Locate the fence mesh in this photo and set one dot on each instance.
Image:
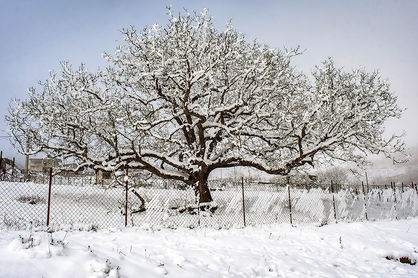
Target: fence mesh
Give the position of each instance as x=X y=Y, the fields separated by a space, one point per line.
x=80 y=202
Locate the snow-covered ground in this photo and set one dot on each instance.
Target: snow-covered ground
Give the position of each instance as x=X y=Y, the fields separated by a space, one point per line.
x=280 y=250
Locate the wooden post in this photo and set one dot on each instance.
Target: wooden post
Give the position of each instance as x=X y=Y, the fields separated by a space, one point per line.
x=49 y=197
x=365 y=201
x=290 y=204
x=126 y=199
x=243 y=201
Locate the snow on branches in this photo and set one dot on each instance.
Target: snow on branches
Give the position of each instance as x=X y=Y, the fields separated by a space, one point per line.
x=184 y=99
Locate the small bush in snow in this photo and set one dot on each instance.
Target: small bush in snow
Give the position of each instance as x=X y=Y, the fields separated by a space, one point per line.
x=32 y=199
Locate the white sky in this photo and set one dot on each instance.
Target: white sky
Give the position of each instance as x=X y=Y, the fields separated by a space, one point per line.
x=36 y=35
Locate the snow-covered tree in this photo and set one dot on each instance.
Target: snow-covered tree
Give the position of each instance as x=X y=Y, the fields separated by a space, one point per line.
x=182 y=100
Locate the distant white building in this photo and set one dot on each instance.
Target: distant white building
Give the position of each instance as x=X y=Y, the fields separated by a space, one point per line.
x=43 y=164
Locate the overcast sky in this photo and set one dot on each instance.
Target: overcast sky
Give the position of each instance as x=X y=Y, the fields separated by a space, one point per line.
x=36 y=35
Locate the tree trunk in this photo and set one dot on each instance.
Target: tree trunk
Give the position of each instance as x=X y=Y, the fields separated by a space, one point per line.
x=142 y=206
x=204 y=192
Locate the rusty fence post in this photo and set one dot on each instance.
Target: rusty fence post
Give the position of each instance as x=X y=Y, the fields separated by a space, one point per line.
x=126 y=198
x=49 y=197
x=243 y=201
x=290 y=204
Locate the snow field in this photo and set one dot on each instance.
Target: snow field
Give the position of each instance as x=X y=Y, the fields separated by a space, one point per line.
x=279 y=250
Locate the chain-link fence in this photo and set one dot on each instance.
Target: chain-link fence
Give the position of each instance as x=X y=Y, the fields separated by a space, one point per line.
x=84 y=203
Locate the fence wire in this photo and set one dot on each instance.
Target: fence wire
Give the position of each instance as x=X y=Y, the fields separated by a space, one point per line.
x=82 y=203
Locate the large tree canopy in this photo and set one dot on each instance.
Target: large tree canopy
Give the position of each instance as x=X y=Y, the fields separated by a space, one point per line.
x=184 y=99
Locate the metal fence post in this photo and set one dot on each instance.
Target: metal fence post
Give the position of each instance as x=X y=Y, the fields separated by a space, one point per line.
x=367 y=184
x=126 y=198
x=198 y=211
x=49 y=197
x=365 y=201
x=394 y=199
x=290 y=204
x=13 y=169
x=1 y=165
x=243 y=200
x=333 y=203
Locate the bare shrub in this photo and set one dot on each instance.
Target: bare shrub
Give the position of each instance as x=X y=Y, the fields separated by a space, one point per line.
x=31 y=199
